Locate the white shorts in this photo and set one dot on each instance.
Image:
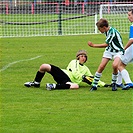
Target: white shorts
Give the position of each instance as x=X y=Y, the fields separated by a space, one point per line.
x=128 y=56
x=112 y=55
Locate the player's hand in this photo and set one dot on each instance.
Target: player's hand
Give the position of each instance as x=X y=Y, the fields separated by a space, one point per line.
x=87 y=79
x=90 y=44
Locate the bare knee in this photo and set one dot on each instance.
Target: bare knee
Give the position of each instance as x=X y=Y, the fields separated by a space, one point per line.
x=121 y=66
x=115 y=66
x=116 y=63
x=45 y=68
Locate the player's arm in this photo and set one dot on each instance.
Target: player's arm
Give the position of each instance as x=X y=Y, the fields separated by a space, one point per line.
x=97 y=45
x=129 y=43
x=89 y=80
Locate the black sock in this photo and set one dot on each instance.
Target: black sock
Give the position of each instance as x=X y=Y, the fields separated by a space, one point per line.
x=62 y=86
x=39 y=76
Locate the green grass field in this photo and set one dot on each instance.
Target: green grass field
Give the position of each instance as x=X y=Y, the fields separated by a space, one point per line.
x=33 y=110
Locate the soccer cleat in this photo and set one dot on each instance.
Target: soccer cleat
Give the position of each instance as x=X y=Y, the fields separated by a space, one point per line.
x=130 y=85
x=33 y=83
x=114 y=87
x=126 y=87
x=50 y=86
x=93 y=88
x=120 y=85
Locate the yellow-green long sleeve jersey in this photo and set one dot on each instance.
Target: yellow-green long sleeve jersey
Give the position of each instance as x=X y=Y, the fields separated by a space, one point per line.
x=75 y=71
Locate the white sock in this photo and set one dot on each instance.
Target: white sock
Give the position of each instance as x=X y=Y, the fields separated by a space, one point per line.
x=119 y=79
x=125 y=76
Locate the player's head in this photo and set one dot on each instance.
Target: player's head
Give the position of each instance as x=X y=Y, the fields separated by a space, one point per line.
x=131 y=10
x=102 y=22
x=80 y=54
x=130 y=15
x=102 y=25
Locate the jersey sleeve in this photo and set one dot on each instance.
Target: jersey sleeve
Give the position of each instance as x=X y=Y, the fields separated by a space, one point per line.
x=131 y=32
x=88 y=72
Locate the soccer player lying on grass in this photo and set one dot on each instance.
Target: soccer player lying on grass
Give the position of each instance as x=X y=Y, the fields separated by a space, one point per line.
x=71 y=77
x=113 y=50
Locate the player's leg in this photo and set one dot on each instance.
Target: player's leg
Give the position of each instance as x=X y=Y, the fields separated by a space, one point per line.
x=124 y=73
x=73 y=85
x=39 y=75
x=115 y=65
x=127 y=58
x=53 y=86
x=119 y=80
x=63 y=81
x=98 y=74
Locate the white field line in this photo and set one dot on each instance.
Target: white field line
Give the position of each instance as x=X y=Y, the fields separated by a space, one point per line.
x=12 y=63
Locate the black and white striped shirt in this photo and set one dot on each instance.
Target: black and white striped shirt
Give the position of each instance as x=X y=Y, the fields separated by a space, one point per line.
x=114 y=41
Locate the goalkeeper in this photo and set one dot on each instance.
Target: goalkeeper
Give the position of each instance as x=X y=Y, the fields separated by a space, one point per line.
x=71 y=77
x=79 y=72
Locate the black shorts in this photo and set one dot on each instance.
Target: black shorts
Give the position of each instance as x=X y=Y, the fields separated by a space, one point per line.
x=59 y=76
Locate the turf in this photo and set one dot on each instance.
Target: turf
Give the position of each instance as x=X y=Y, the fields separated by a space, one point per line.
x=31 y=110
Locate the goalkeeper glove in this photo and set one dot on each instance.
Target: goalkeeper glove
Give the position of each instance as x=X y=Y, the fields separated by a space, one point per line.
x=87 y=79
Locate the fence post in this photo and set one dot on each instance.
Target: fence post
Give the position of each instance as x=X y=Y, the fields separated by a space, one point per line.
x=32 y=8
x=7 y=9
x=59 y=20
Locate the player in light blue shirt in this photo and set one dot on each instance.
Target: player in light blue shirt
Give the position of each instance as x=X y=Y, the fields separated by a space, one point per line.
x=127 y=58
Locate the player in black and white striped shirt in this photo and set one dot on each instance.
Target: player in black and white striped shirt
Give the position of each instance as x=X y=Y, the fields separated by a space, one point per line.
x=113 y=50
